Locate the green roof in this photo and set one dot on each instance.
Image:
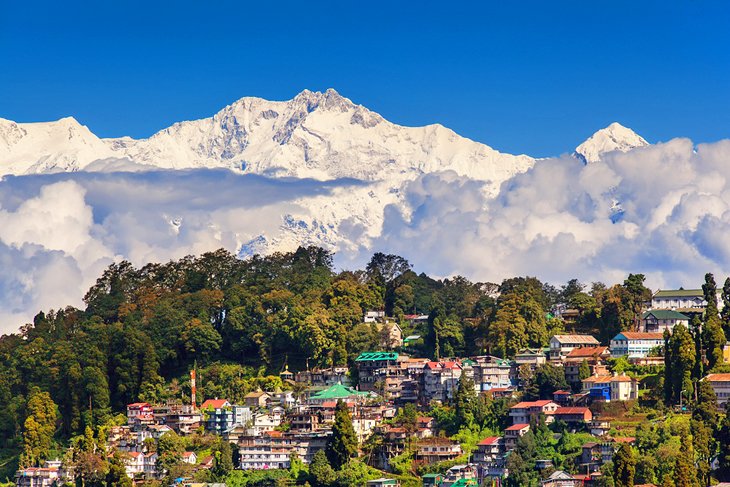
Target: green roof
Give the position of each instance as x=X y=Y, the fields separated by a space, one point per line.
x=373 y=356
x=337 y=391
x=679 y=293
x=464 y=483
x=665 y=314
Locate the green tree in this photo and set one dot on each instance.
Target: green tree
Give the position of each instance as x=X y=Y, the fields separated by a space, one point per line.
x=117 y=473
x=713 y=337
x=685 y=474
x=38 y=428
x=320 y=470
x=624 y=467
x=725 y=313
x=342 y=445
x=222 y=460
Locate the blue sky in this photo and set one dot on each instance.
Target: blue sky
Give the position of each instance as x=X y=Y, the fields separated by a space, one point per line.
x=529 y=77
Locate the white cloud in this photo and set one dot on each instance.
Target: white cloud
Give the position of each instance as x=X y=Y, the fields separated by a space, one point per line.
x=663 y=210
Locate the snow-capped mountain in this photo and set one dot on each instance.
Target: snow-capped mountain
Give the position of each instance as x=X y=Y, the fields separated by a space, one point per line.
x=615 y=137
x=315 y=135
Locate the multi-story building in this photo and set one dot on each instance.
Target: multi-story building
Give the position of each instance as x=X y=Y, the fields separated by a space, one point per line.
x=375 y=366
x=490 y=372
x=573 y=416
x=489 y=450
x=434 y=450
x=631 y=344
x=440 y=381
x=222 y=419
x=46 y=476
x=514 y=433
x=138 y=409
x=524 y=411
x=562 y=345
x=272 y=448
x=611 y=387
x=683 y=300
x=595 y=358
x=721 y=385
x=531 y=356
x=659 y=320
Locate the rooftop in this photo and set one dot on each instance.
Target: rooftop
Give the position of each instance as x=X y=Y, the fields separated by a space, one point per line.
x=337 y=391
x=576 y=339
x=374 y=356
x=636 y=335
x=664 y=314
x=679 y=293
x=587 y=352
x=718 y=378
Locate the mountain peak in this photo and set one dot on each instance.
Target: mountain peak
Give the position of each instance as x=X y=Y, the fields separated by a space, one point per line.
x=615 y=137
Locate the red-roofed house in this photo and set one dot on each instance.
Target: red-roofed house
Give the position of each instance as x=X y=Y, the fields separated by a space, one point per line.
x=190 y=457
x=215 y=404
x=524 y=411
x=573 y=415
x=721 y=385
x=595 y=357
x=136 y=409
x=440 y=380
x=489 y=449
x=513 y=433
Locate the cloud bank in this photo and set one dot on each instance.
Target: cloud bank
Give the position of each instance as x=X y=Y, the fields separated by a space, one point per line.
x=663 y=210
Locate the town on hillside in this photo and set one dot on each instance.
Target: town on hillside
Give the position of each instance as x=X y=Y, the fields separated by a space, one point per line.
x=614 y=387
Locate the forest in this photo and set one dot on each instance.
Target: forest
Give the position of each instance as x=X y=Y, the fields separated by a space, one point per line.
x=239 y=322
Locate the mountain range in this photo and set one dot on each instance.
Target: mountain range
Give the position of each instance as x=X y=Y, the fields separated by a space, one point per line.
x=322 y=136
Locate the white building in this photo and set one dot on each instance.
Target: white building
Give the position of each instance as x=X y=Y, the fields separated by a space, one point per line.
x=721 y=385
x=45 y=476
x=683 y=299
x=658 y=320
x=562 y=345
x=635 y=344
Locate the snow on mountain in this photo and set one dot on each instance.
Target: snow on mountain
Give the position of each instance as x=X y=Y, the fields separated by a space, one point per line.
x=315 y=135
x=615 y=137
x=63 y=145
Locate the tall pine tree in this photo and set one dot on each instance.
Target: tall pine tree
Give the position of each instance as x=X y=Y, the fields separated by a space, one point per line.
x=342 y=445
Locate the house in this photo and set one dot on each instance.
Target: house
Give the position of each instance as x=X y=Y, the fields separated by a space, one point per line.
x=383 y=482
x=573 y=416
x=658 y=320
x=432 y=480
x=390 y=334
x=141 y=465
x=562 y=345
x=137 y=409
x=489 y=450
x=460 y=475
x=373 y=316
x=595 y=358
x=370 y=367
x=190 y=457
x=46 y=476
x=440 y=380
x=525 y=411
x=489 y=372
x=631 y=344
x=434 y=450
x=214 y=404
x=611 y=387
x=721 y=385
x=559 y=478
x=339 y=392
x=563 y=398
x=683 y=300
x=514 y=433
x=530 y=356
x=256 y=399
x=595 y=454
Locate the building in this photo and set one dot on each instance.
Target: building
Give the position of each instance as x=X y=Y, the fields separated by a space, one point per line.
x=214 y=404
x=531 y=356
x=219 y=420
x=256 y=399
x=721 y=385
x=562 y=345
x=611 y=387
x=373 y=316
x=658 y=320
x=525 y=411
x=514 y=433
x=434 y=450
x=489 y=450
x=559 y=478
x=595 y=358
x=490 y=372
x=632 y=344
x=324 y=377
x=683 y=300
x=383 y=482
x=390 y=334
x=137 y=409
x=338 y=392
x=370 y=367
x=573 y=416
x=46 y=476
x=440 y=381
